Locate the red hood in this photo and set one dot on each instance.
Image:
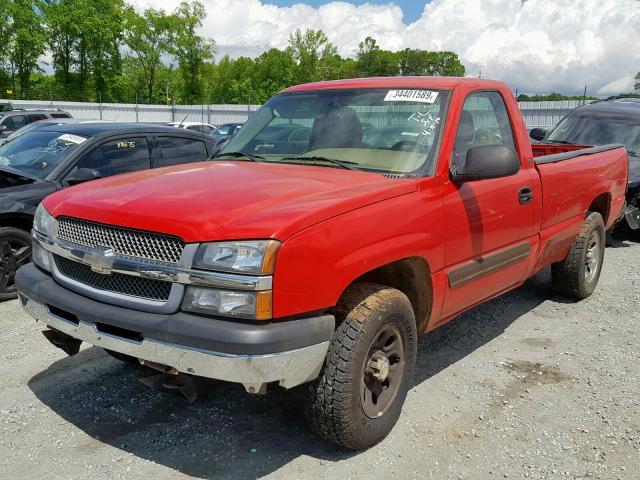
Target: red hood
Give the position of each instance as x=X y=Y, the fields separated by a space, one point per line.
x=225 y=200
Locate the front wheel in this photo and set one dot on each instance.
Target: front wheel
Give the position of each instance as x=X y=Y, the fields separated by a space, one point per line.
x=577 y=275
x=15 y=251
x=358 y=397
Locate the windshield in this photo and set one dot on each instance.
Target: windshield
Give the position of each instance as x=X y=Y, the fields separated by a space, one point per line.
x=599 y=128
x=25 y=129
x=383 y=130
x=37 y=153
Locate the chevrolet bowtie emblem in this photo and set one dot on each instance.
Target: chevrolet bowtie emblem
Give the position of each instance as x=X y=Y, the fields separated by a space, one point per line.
x=101 y=260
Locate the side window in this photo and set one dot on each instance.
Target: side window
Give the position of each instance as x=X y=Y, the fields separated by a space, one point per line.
x=14 y=122
x=484 y=121
x=118 y=156
x=60 y=115
x=34 y=117
x=176 y=150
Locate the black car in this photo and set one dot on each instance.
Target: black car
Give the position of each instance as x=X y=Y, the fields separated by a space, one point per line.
x=13 y=120
x=615 y=120
x=53 y=157
x=224 y=132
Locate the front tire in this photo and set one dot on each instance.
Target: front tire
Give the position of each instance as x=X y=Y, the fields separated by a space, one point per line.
x=577 y=275
x=358 y=397
x=15 y=251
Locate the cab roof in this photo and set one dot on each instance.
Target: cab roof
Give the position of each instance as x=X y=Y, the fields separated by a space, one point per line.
x=442 y=83
x=116 y=128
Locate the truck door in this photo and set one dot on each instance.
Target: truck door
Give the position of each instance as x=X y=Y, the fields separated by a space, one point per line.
x=488 y=223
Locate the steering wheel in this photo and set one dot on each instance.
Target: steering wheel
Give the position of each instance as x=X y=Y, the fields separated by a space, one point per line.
x=405 y=146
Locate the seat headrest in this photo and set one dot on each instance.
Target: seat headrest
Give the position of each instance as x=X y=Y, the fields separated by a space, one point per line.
x=466 y=128
x=339 y=127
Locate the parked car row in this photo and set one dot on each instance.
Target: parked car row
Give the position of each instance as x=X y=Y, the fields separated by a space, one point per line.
x=340 y=222
x=13 y=120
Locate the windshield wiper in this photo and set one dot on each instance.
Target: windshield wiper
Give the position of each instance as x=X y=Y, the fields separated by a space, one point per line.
x=564 y=142
x=341 y=163
x=253 y=158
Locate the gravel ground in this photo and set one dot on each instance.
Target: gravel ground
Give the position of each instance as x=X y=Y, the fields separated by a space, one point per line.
x=526 y=386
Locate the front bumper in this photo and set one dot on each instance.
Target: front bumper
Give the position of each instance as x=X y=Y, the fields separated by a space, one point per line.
x=288 y=352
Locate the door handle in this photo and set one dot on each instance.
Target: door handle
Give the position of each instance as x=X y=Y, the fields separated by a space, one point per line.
x=525 y=195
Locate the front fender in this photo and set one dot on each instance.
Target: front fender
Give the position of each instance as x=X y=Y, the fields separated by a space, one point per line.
x=316 y=265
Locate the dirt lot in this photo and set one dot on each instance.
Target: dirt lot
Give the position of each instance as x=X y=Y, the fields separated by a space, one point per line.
x=529 y=385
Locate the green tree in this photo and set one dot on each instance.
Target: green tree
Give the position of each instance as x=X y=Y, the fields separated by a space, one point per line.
x=26 y=43
x=190 y=49
x=62 y=33
x=637 y=79
x=313 y=53
x=375 y=62
x=445 y=64
x=148 y=37
x=103 y=33
x=274 y=70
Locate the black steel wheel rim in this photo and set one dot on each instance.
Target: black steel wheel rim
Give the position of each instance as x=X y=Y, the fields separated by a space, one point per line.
x=383 y=371
x=14 y=252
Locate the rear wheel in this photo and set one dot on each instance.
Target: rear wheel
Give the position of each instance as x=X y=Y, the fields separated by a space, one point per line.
x=577 y=275
x=358 y=397
x=15 y=251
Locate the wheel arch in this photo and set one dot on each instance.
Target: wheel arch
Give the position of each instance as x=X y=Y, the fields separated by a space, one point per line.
x=23 y=221
x=602 y=205
x=411 y=276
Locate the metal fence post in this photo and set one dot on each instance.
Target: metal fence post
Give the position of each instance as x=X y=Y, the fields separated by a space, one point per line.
x=136 y=107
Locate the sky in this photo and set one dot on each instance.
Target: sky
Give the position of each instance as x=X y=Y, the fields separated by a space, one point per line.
x=535 y=46
x=411 y=9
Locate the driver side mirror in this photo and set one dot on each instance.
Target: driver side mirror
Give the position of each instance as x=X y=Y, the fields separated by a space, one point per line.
x=538 y=134
x=82 y=175
x=3 y=128
x=487 y=161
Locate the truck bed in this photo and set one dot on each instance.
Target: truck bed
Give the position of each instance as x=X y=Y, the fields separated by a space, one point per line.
x=571 y=176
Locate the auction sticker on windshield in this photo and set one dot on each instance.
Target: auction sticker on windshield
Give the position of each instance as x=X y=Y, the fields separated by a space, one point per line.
x=67 y=137
x=423 y=96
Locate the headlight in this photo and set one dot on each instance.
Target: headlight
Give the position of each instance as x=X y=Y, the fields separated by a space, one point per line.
x=249 y=305
x=44 y=222
x=255 y=256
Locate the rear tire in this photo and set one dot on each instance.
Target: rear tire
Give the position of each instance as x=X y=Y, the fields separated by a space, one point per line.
x=577 y=275
x=358 y=397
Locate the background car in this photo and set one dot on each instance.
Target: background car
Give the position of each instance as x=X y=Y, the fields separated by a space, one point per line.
x=53 y=157
x=206 y=128
x=43 y=123
x=224 y=132
x=614 y=120
x=13 y=120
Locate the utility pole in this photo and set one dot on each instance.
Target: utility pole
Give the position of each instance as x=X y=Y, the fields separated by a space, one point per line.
x=584 y=95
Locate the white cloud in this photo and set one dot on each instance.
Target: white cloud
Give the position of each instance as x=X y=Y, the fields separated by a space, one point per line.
x=533 y=45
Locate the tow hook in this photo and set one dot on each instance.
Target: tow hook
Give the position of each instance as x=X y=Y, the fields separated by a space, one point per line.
x=170 y=381
x=64 y=342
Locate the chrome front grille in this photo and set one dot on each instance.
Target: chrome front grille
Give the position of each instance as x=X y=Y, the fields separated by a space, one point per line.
x=123 y=241
x=139 y=287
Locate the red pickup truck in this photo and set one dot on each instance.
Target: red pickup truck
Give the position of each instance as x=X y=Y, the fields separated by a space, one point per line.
x=343 y=220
